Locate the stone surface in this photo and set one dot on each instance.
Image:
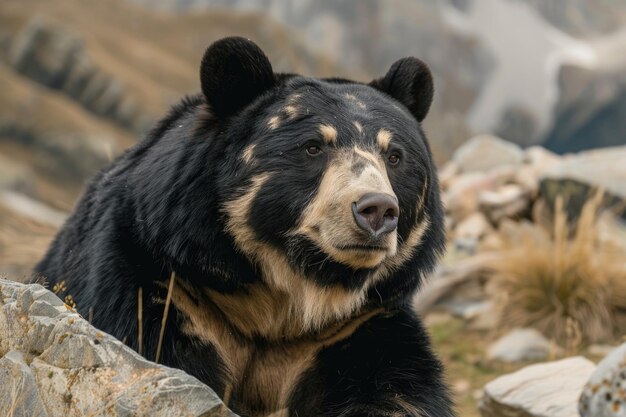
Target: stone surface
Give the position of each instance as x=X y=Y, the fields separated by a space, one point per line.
x=475 y=226
x=542 y=390
x=485 y=152
x=591 y=104
x=55 y=364
x=469 y=232
x=461 y=198
x=605 y=392
x=520 y=345
x=509 y=201
x=577 y=177
x=454 y=282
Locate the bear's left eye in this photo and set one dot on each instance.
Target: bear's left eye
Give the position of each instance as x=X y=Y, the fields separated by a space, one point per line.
x=313 y=150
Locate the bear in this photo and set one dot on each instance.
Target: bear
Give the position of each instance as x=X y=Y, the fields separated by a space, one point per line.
x=270 y=232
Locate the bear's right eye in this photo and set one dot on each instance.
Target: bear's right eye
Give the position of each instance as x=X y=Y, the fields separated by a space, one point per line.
x=313 y=150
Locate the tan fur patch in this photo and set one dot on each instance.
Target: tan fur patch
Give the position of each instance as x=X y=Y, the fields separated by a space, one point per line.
x=406 y=408
x=261 y=376
x=328 y=220
x=248 y=154
x=329 y=133
x=291 y=111
x=274 y=122
x=303 y=305
x=356 y=101
x=384 y=138
x=358 y=126
x=373 y=158
x=407 y=248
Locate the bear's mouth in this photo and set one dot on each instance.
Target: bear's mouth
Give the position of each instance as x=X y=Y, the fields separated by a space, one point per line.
x=363 y=248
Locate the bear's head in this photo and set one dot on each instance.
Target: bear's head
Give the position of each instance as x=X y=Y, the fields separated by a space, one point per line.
x=324 y=185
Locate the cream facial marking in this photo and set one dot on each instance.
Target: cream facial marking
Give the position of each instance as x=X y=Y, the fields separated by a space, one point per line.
x=358 y=126
x=274 y=122
x=370 y=157
x=248 y=154
x=291 y=111
x=329 y=221
x=384 y=138
x=303 y=305
x=329 y=133
x=356 y=101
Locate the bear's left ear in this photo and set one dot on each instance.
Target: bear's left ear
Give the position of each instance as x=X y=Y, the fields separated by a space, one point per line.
x=409 y=81
x=234 y=71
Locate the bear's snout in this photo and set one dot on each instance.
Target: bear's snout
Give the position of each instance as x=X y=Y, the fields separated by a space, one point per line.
x=376 y=213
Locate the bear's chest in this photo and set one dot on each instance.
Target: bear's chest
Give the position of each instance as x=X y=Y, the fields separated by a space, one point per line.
x=262 y=383
x=260 y=374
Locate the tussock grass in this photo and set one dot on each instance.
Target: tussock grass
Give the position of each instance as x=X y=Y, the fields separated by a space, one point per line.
x=568 y=282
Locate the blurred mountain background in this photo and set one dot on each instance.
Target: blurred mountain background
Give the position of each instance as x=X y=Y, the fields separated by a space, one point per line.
x=81 y=80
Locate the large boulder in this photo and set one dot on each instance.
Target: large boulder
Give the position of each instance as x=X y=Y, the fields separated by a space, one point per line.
x=605 y=393
x=520 y=345
x=542 y=390
x=53 y=363
x=485 y=152
x=591 y=111
x=577 y=177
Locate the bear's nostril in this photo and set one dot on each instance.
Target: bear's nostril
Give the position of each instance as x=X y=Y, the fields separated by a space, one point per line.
x=376 y=213
x=390 y=213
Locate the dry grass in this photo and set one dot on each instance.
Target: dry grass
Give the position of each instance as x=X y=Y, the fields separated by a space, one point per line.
x=569 y=283
x=168 y=300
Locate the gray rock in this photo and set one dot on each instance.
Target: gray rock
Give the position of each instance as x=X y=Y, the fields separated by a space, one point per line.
x=485 y=152
x=604 y=394
x=53 y=364
x=577 y=177
x=509 y=201
x=542 y=390
x=520 y=345
x=517 y=125
x=592 y=104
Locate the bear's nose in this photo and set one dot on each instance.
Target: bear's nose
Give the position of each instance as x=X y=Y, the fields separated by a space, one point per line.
x=376 y=213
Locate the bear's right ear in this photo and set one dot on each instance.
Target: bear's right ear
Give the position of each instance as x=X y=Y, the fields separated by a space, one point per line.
x=410 y=82
x=234 y=71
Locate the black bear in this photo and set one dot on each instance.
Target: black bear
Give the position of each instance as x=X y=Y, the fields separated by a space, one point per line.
x=285 y=221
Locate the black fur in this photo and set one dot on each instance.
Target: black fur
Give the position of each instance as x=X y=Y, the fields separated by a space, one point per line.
x=159 y=208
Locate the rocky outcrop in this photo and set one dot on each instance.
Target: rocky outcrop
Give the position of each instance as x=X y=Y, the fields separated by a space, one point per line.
x=53 y=363
x=579 y=176
x=485 y=152
x=520 y=345
x=542 y=390
x=591 y=111
x=58 y=59
x=605 y=393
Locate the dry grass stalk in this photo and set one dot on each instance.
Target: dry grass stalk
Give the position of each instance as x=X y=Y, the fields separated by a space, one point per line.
x=140 y=321
x=168 y=300
x=569 y=283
